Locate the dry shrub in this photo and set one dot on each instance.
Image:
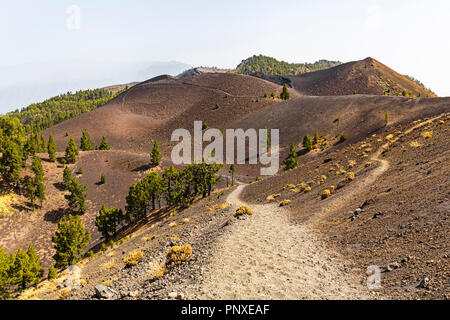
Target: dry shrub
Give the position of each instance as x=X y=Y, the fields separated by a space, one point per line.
x=63 y=294
x=172 y=224
x=273 y=197
x=390 y=137
x=108 y=265
x=332 y=188
x=350 y=176
x=244 y=210
x=308 y=189
x=326 y=193
x=178 y=254
x=159 y=272
x=133 y=258
x=351 y=163
x=427 y=134
x=368 y=164
x=186 y=220
x=414 y=144
x=302 y=186
x=285 y=203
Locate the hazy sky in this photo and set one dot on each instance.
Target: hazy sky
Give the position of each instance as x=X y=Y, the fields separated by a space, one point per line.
x=409 y=36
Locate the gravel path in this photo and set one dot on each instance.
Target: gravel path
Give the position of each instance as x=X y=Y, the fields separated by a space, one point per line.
x=266 y=257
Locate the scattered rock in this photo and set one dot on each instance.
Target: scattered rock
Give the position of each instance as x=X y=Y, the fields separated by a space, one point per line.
x=367 y=203
x=173 y=295
x=378 y=214
x=104 y=292
x=392 y=266
x=424 y=284
x=358 y=211
x=133 y=294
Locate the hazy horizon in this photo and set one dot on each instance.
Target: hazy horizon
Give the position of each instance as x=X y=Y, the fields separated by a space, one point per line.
x=405 y=35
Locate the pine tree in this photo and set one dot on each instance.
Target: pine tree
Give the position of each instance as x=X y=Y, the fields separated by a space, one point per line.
x=77 y=197
x=30 y=189
x=52 y=273
x=285 y=95
x=85 y=142
x=232 y=170
x=37 y=168
x=11 y=163
x=67 y=177
x=156 y=154
x=102 y=179
x=26 y=269
x=43 y=144
x=40 y=192
x=291 y=162
x=307 y=143
x=137 y=202
x=70 y=240
x=171 y=175
x=107 y=221
x=316 y=138
x=104 y=144
x=80 y=170
x=6 y=262
x=51 y=148
x=71 y=151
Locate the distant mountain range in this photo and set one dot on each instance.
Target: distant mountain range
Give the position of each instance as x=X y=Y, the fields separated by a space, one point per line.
x=33 y=82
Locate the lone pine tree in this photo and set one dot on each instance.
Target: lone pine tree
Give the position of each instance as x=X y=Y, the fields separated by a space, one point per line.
x=70 y=240
x=51 y=148
x=316 y=138
x=291 y=162
x=85 y=142
x=156 y=154
x=71 y=151
x=307 y=143
x=104 y=144
x=77 y=197
x=285 y=95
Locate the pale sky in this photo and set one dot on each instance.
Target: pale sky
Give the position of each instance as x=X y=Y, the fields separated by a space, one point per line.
x=407 y=35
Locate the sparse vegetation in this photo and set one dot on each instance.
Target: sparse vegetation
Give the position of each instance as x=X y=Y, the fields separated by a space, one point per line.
x=177 y=255
x=325 y=194
x=285 y=203
x=244 y=210
x=133 y=258
x=427 y=135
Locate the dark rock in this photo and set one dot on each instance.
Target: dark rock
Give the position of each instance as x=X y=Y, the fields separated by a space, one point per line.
x=367 y=203
x=424 y=284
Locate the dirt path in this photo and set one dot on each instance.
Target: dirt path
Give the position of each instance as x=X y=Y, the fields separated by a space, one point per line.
x=266 y=257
